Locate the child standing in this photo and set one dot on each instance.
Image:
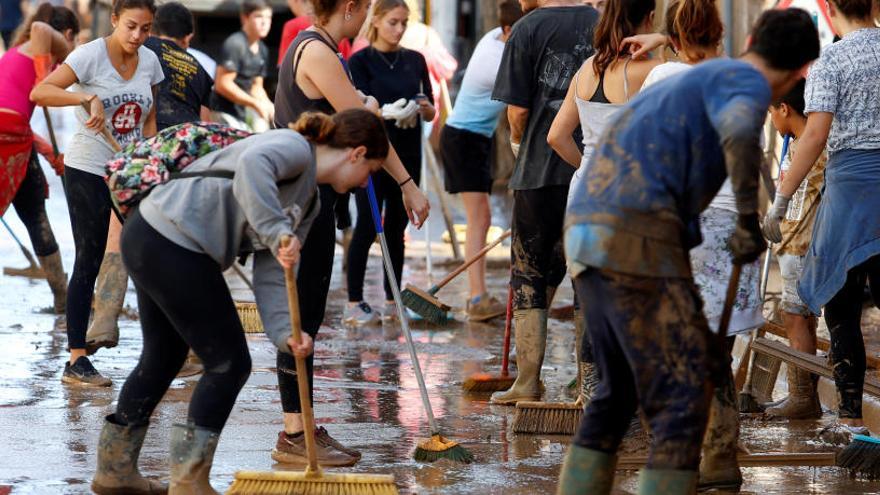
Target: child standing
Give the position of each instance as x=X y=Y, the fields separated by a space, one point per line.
x=391 y=74
x=240 y=100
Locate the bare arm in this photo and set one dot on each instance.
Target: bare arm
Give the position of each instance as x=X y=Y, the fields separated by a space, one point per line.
x=258 y=91
x=150 y=128
x=205 y=114
x=322 y=69
x=518 y=117
x=810 y=146
x=559 y=137
x=52 y=92
x=45 y=39
x=225 y=86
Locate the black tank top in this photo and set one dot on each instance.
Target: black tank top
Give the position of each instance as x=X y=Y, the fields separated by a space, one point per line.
x=290 y=101
x=599 y=95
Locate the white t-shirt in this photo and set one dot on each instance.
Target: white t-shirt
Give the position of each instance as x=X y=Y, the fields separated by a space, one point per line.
x=474 y=108
x=126 y=103
x=725 y=198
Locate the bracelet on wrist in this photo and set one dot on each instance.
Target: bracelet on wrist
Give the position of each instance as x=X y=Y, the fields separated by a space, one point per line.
x=408 y=179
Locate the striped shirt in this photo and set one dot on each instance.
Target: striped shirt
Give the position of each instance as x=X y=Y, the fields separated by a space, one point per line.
x=845 y=81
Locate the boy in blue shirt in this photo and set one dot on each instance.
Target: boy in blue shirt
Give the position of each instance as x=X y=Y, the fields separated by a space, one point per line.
x=631 y=222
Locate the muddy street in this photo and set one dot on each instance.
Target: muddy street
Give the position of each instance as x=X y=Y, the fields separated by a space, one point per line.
x=366 y=394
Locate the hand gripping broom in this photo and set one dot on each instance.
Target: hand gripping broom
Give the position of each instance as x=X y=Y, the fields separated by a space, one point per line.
x=429 y=307
x=313 y=481
x=437 y=447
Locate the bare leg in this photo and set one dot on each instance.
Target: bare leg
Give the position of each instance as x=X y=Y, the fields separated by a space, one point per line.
x=479 y=218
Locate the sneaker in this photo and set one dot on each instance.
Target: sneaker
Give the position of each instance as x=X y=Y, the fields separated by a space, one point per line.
x=323 y=436
x=359 y=314
x=484 y=308
x=83 y=373
x=389 y=311
x=291 y=449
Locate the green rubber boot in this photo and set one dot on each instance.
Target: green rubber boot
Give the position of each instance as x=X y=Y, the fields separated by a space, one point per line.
x=667 y=482
x=586 y=471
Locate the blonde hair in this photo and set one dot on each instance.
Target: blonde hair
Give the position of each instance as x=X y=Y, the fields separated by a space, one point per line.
x=380 y=8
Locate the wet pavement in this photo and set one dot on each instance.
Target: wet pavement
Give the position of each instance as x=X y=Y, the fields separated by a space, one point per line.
x=366 y=396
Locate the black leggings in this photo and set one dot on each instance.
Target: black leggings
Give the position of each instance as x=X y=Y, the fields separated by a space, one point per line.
x=394 y=222
x=843 y=315
x=184 y=303
x=30 y=205
x=313 y=282
x=89 y=205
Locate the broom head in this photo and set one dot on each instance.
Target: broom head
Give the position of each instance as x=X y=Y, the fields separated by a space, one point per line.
x=548 y=418
x=861 y=457
x=484 y=383
x=249 y=316
x=311 y=483
x=425 y=305
x=437 y=447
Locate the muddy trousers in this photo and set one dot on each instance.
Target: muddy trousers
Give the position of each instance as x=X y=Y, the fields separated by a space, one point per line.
x=30 y=205
x=184 y=303
x=843 y=315
x=651 y=343
x=536 y=257
x=313 y=282
x=89 y=205
x=394 y=222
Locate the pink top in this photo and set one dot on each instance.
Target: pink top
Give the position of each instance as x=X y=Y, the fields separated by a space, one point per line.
x=17 y=78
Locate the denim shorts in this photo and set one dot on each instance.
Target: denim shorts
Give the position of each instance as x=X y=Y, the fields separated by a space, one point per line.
x=791 y=266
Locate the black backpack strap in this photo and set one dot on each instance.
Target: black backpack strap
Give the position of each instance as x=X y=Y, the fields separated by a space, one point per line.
x=220 y=174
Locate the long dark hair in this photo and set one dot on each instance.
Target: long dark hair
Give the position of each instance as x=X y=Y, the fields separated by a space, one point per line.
x=60 y=18
x=619 y=20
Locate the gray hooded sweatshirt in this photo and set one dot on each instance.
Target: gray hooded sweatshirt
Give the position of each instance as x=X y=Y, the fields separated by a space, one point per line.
x=273 y=194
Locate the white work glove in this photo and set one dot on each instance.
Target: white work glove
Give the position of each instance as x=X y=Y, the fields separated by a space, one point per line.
x=410 y=116
x=514 y=147
x=393 y=111
x=772 y=220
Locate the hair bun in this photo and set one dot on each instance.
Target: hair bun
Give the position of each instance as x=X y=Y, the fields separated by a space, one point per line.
x=316 y=127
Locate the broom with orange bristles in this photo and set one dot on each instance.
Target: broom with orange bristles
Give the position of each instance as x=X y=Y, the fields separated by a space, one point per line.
x=484 y=382
x=313 y=481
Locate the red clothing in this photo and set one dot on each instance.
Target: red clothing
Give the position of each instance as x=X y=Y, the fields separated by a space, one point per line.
x=293 y=27
x=16 y=142
x=17 y=78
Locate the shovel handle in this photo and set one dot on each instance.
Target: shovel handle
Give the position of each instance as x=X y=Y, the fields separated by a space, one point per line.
x=302 y=378
x=51 y=129
x=464 y=266
x=729 y=300
x=104 y=132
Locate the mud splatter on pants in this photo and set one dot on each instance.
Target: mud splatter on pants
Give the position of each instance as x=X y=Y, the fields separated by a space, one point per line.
x=651 y=342
x=30 y=205
x=537 y=257
x=843 y=315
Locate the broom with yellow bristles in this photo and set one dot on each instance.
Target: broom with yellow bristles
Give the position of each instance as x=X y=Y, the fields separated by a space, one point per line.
x=312 y=481
x=482 y=382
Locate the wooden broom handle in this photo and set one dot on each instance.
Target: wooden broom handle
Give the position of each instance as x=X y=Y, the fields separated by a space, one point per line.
x=104 y=131
x=471 y=261
x=302 y=378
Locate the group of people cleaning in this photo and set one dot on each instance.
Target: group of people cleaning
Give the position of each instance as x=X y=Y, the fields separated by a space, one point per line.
x=620 y=160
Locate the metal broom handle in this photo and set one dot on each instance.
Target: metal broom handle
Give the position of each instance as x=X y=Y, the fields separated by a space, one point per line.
x=401 y=314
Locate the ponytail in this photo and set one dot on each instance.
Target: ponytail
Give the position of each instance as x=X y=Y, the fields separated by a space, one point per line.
x=60 y=18
x=347 y=129
x=695 y=24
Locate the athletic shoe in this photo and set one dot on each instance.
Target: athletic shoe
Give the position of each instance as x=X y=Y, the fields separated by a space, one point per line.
x=359 y=314
x=484 y=308
x=83 y=373
x=323 y=436
x=291 y=449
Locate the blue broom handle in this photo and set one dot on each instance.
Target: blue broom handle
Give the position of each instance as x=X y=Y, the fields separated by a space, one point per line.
x=374 y=206
x=401 y=312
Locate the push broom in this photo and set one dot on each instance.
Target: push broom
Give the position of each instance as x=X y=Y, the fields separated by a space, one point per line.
x=426 y=305
x=312 y=481
x=437 y=447
x=482 y=382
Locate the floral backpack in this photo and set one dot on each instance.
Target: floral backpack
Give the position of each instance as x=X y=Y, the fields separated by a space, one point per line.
x=143 y=165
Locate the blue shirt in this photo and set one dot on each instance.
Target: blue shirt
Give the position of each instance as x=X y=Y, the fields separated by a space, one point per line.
x=474 y=109
x=659 y=164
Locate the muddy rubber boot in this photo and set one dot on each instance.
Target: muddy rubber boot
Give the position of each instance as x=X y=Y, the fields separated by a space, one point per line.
x=118 y=450
x=719 y=467
x=109 y=296
x=57 y=280
x=586 y=471
x=802 y=401
x=667 y=482
x=530 y=328
x=192 y=453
